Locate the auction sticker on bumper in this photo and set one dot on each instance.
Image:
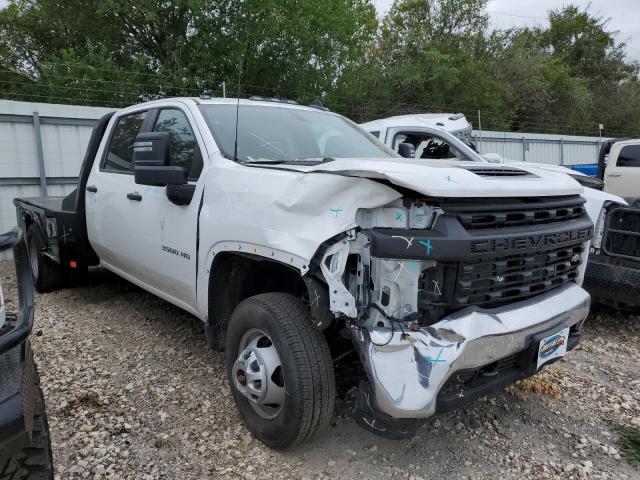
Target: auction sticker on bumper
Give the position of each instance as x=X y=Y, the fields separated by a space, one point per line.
x=553 y=346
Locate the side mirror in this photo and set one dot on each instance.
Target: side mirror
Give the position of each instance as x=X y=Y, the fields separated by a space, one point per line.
x=160 y=176
x=151 y=161
x=151 y=149
x=407 y=150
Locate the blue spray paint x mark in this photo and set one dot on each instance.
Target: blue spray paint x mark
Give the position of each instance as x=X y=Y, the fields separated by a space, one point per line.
x=336 y=211
x=398 y=217
x=450 y=180
x=437 y=359
x=427 y=245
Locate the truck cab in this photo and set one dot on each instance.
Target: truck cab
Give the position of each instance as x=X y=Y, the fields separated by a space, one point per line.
x=620 y=168
x=298 y=238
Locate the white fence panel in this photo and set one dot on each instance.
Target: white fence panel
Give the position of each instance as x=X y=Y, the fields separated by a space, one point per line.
x=539 y=147
x=62 y=131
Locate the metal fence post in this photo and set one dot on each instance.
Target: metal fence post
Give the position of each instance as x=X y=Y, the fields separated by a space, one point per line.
x=562 y=151
x=38 y=135
x=524 y=149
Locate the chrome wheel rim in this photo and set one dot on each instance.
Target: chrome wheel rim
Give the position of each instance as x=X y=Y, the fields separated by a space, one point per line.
x=33 y=258
x=258 y=374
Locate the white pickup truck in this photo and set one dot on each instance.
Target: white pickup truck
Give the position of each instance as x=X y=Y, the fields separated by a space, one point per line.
x=619 y=168
x=296 y=237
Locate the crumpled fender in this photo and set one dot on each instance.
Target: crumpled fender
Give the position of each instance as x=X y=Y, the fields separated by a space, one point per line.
x=281 y=215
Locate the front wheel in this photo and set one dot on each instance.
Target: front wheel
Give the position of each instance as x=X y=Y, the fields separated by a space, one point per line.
x=279 y=369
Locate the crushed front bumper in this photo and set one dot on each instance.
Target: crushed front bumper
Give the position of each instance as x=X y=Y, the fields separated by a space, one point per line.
x=410 y=373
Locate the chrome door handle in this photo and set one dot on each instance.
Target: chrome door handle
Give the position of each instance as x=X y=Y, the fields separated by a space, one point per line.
x=614 y=175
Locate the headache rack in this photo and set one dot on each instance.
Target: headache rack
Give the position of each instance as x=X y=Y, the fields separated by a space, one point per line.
x=621 y=235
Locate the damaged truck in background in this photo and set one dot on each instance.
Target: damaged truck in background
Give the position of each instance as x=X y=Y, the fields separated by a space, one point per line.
x=299 y=240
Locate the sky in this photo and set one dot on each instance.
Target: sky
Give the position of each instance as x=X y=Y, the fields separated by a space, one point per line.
x=624 y=15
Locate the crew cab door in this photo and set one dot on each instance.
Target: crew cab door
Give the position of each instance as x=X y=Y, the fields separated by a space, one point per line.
x=109 y=183
x=165 y=234
x=622 y=175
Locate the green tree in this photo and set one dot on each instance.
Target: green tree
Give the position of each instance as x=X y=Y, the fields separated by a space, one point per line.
x=427 y=55
x=159 y=48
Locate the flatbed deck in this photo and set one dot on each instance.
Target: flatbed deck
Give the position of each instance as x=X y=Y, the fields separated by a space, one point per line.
x=45 y=203
x=64 y=229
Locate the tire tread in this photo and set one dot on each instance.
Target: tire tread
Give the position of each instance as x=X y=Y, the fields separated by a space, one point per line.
x=34 y=461
x=309 y=347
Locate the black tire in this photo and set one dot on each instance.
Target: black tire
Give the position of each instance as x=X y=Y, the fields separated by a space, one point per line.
x=46 y=274
x=33 y=461
x=306 y=365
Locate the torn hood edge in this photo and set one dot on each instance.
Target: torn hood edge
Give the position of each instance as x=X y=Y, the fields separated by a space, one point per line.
x=443 y=178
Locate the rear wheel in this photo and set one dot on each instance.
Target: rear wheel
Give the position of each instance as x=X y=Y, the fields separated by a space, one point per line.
x=280 y=370
x=46 y=274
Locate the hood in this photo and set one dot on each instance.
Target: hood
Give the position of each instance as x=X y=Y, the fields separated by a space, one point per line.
x=449 y=178
x=499 y=159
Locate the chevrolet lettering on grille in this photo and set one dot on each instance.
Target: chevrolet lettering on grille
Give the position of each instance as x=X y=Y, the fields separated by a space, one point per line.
x=529 y=242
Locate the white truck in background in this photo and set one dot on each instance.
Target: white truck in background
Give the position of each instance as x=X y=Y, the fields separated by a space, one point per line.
x=619 y=168
x=305 y=246
x=613 y=271
x=456 y=125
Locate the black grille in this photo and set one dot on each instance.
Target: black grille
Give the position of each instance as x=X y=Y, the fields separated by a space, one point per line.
x=496 y=280
x=506 y=213
x=499 y=172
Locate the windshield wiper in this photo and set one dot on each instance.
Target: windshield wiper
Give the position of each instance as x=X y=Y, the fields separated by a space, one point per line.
x=304 y=161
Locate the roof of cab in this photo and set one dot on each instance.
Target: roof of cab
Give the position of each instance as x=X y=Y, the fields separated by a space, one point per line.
x=229 y=101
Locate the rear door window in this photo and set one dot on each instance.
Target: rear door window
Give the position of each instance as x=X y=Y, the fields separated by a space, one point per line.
x=629 y=156
x=118 y=157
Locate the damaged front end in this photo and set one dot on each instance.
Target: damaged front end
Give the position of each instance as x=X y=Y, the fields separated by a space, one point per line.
x=447 y=300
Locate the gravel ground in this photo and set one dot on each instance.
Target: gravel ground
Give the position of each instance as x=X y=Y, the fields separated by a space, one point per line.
x=133 y=392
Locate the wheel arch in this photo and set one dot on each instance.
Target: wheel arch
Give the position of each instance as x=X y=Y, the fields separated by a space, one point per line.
x=236 y=276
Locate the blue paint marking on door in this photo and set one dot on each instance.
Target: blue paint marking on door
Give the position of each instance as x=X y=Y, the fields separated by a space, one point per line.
x=336 y=211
